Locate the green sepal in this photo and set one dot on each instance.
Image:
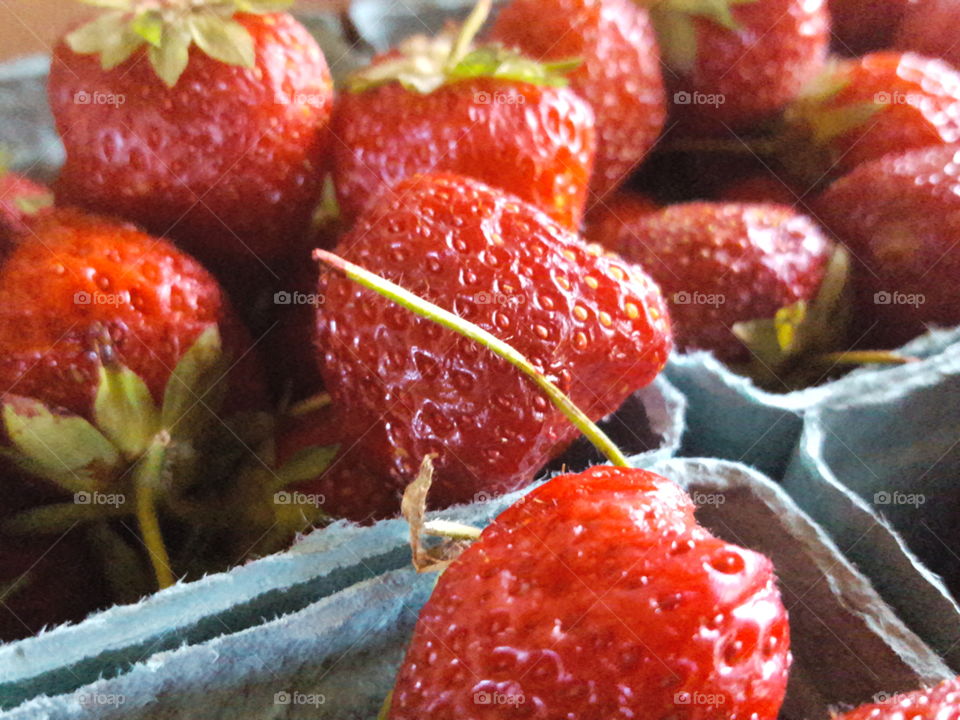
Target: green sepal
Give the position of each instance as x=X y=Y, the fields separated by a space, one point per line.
x=194 y=391
x=783 y=344
x=306 y=464
x=676 y=31
x=32 y=204
x=58 y=518
x=170 y=59
x=65 y=449
x=494 y=61
x=225 y=40
x=122 y=565
x=124 y=411
x=168 y=30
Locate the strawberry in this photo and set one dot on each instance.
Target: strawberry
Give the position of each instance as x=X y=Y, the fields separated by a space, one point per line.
x=605 y=219
x=620 y=76
x=79 y=286
x=20 y=197
x=441 y=105
x=863 y=26
x=900 y=217
x=929 y=27
x=724 y=263
x=737 y=63
x=196 y=121
x=595 y=325
x=598 y=596
x=941 y=702
x=864 y=108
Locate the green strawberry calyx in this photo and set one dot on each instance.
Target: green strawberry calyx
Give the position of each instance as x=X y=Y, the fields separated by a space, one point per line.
x=423 y=64
x=677 y=31
x=168 y=29
x=801 y=345
x=27 y=203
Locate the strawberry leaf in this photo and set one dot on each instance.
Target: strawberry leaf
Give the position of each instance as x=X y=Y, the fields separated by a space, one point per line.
x=96 y=35
x=497 y=62
x=225 y=40
x=171 y=58
x=195 y=389
x=120 y=48
x=32 y=204
x=124 y=410
x=678 y=39
x=114 y=4
x=307 y=464
x=66 y=449
x=58 y=518
x=149 y=26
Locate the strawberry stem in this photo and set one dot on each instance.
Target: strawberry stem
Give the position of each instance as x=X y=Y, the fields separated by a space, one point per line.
x=452 y=530
x=442 y=317
x=867 y=357
x=311 y=404
x=468 y=31
x=146 y=476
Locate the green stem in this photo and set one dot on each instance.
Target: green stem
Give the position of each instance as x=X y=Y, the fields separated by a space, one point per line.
x=311 y=404
x=867 y=357
x=145 y=479
x=426 y=309
x=471 y=27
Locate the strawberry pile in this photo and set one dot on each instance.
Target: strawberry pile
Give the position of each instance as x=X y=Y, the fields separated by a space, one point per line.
x=518 y=221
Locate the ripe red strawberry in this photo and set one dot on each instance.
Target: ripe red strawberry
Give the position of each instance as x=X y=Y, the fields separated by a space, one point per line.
x=439 y=105
x=864 y=108
x=78 y=285
x=724 y=263
x=219 y=144
x=598 y=596
x=620 y=76
x=605 y=219
x=594 y=325
x=20 y=197
x=737 y=63
x=900 y=217
x=862 y=26
x=938 y=703
x=929 y=27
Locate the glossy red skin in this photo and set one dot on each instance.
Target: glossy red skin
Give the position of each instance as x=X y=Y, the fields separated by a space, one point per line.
x=535 y=142
x=929 y=27
x=606 y=219
x=900 y=217
x=780 y=46
x=598 y=596
x=162 y=300
x=13 y=220
x=862 y=26
x=414 y=388
x=218 y=163
x=758 y=258
x=941 y=702
x=924 y=108
x=620 y=77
